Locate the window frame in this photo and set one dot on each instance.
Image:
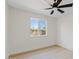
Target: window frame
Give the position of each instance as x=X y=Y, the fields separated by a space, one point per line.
x=38 y=19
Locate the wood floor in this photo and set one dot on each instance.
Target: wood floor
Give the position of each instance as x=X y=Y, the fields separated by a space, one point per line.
x=54 y=52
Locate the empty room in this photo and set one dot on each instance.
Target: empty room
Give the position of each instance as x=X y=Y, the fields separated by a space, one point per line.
x=39 y=29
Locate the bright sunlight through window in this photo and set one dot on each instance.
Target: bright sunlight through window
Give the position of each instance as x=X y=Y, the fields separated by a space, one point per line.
x=38 y=27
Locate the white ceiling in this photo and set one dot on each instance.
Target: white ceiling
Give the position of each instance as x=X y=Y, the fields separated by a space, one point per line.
x=39 y=5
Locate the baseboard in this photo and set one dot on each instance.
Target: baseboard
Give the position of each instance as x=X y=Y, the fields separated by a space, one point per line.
x=65 y=47
x=26 y=52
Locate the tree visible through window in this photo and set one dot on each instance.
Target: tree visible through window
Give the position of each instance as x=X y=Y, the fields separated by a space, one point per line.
x=38 y=27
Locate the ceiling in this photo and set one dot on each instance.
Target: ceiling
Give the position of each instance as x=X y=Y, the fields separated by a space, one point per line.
x=39 y=5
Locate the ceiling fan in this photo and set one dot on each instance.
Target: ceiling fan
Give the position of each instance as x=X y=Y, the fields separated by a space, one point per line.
x=56 y=5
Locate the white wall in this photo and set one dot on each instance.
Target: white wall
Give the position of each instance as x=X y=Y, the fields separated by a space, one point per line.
x=18 y=31
x=65 y=32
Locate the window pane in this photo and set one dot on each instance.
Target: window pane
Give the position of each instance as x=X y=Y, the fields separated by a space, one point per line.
x=34 y=23
x=38 y=27
x=34 y=26
x=42 y=27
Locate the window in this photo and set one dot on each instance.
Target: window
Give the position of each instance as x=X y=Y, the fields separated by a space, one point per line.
x=38 y=27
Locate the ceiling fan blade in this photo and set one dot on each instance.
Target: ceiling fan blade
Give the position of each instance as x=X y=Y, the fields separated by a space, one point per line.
x=50 y=4
x=58 y=2
x=52 y=12
x=66 y=5
x=47 y=8
x=60 y=10
x=54 y=0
